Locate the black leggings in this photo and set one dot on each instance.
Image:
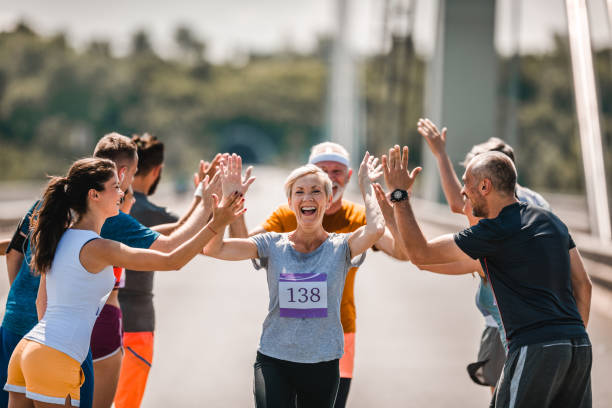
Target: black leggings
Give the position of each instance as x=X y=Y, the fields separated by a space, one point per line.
x=285 y=384
x=343 y=391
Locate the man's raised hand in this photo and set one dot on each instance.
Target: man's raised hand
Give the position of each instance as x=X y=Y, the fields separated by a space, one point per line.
x=395 y=169
x=208 y=168
x=385 y=206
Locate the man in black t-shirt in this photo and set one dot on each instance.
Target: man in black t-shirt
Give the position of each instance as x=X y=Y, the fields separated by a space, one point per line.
x=542 y=289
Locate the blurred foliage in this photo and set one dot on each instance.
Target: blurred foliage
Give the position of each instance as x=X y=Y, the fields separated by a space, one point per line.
x=56 y=102
x=548 y=147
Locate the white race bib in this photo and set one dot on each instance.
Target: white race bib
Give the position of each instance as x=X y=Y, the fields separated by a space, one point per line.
x=302 y=295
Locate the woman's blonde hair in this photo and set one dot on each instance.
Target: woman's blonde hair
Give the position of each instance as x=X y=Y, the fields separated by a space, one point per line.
x=304 y=171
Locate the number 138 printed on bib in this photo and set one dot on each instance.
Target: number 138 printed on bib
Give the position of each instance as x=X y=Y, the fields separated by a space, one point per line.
x=302 y=295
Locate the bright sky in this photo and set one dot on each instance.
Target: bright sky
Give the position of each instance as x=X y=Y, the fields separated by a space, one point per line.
x=234 y=26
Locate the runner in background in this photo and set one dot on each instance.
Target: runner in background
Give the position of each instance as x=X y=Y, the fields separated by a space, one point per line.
x=342 y=216
x=136 y=296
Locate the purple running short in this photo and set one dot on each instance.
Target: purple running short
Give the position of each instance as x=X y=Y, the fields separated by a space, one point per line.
x=107 y=334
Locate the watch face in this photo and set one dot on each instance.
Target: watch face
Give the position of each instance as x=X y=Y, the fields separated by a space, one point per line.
x=397 y=194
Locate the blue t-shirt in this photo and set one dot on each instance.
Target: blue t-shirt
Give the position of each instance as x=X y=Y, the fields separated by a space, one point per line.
x=126 y=229
x=485 y=302
x=525 y=253
x=526 y=195
x=20 y=315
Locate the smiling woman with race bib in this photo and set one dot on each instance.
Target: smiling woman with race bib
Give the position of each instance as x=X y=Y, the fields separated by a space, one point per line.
x=302 y=338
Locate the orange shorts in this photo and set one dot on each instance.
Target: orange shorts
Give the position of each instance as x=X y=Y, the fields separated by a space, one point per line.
x=347 y=362
x=44 y=374
x=137 y=358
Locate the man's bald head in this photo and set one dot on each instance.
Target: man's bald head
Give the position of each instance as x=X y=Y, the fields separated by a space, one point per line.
x=496 y=167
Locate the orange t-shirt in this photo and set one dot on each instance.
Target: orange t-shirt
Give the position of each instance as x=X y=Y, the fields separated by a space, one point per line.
x=348 y=218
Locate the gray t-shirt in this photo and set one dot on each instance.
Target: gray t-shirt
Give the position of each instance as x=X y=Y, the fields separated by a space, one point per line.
x=297 y=327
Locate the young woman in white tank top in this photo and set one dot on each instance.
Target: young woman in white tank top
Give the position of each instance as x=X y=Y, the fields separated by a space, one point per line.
x=77 y=277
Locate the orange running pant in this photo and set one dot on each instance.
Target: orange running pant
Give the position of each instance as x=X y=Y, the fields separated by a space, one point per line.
x=347 y=362
x=135 y=367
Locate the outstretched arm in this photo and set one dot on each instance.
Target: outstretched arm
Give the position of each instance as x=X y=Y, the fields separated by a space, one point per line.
x=14 y=260
x=232 y=249
x=437 y=144
x=206 y=171
x=99 y=253
x=202 y=213
x=235 y=249
x=238 y=228
x=366 y=236
x=454 y=268
x=391 y=242
x=421 y=252
x=17 y=246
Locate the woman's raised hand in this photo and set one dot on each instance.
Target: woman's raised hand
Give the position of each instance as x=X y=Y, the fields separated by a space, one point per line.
x=231 y=176
x=211 y=186
x=369 y=170
x=227 y=211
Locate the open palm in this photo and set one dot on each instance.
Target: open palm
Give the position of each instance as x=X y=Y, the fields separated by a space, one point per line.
x=231 y=176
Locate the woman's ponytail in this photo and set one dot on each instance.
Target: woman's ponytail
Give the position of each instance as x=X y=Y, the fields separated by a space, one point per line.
x=53 y=217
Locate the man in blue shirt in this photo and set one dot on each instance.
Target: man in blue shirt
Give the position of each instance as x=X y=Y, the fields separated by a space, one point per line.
x=542 y=289
x=20 y=315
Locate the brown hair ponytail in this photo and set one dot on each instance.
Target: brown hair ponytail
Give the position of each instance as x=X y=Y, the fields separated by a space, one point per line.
x=62 y=195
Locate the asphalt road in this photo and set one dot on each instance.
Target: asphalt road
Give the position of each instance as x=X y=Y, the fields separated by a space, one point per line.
x=416 y=331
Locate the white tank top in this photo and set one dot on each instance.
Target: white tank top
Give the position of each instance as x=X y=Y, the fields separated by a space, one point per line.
x=75 y=297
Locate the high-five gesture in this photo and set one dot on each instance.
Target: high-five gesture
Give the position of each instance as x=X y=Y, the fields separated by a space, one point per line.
x=386 y=207
x=211 y=187
x=433 y=137
x=369 y=171
x=226 y=211
x=208 y=168
x=231 y=176
x=395 y=169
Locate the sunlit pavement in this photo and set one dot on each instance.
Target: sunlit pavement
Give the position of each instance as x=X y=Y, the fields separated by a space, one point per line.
x=416 y=331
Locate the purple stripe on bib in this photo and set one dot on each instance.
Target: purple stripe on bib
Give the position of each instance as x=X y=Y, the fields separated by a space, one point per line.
x=303 y=313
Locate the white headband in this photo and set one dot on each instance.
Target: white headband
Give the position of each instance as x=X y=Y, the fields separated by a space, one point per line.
x=329 y=156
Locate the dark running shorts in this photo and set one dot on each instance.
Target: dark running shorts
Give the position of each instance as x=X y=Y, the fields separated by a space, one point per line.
x=554 y=374
x=107 y=334
x=491 y=358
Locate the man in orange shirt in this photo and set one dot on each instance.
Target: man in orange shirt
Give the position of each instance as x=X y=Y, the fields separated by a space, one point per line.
x=342 y=217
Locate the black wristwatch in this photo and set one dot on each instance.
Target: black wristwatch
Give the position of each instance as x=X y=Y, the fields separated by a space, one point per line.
x=399 y=195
